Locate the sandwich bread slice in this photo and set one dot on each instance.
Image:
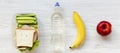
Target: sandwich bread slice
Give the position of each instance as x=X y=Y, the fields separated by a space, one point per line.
x=24 y=37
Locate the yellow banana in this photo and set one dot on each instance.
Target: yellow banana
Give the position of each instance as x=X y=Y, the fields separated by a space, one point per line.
x=80 y=30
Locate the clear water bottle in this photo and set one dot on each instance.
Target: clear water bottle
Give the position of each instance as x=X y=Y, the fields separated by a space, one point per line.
x=57 y=32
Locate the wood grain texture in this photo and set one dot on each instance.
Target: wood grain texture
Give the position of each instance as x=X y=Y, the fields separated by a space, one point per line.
x=91 y=11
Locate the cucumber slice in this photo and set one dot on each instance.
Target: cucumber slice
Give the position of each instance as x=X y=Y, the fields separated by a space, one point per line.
x=35 y=26
x=26 y=18
x=26 y=22
x=26 y=15
x=19 y=25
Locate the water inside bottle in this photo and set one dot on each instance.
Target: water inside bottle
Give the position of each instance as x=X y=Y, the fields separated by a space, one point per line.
x=57 y=38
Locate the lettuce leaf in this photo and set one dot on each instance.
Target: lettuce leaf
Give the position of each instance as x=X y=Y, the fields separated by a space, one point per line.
x=35 y=45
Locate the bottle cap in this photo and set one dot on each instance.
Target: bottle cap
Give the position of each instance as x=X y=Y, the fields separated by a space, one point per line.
x=57 y=4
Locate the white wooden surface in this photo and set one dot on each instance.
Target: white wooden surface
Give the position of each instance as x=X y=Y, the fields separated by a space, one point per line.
x=92 y=11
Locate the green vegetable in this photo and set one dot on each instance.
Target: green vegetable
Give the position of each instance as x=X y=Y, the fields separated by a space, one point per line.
x=26 y=21
x=35 y=45
x=26 y=18
x=26 y=15
x=20 y=25
x=35 y=26
x=22 y=50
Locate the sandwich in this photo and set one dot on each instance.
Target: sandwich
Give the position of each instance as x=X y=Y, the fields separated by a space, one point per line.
x=26 y=33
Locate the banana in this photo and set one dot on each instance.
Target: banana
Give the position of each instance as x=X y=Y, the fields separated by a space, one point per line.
x=80 y=30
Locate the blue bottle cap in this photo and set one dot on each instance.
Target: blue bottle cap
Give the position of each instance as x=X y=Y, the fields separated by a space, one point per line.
x=57 y=4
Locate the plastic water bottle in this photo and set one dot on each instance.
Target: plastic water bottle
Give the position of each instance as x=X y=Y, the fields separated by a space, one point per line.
x=57 y=32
